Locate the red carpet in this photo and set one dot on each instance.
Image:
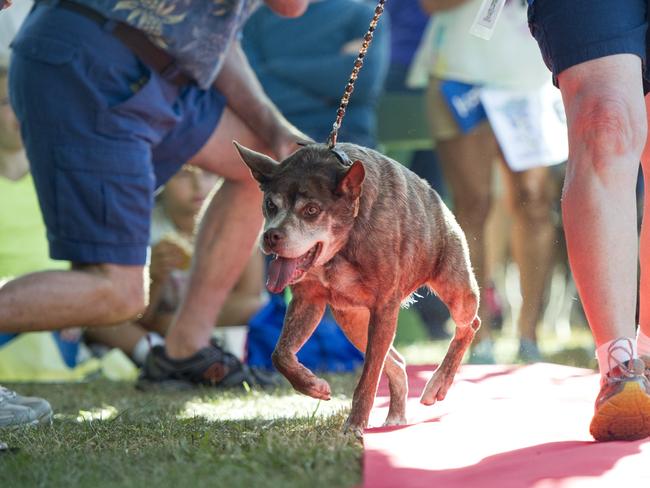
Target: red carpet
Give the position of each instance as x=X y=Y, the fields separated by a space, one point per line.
x=501 y=427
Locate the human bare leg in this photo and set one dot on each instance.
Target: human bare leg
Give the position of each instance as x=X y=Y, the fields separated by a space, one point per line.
x=532 y=244
x=467 y=161
x=86 y=296
x=643 y=333
x=123 y=336
x=228 y=231
x=607 y=130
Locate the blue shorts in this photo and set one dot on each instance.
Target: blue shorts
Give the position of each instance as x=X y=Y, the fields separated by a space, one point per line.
x=102 y=131
x=570 y=32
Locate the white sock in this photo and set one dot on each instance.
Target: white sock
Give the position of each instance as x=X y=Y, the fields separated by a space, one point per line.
x=142 y=347
x=622 y=350
x=642 y=343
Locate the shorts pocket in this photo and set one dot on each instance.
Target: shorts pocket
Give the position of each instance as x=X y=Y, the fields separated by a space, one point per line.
x=43 y=74
x=104 y=196
x=45 y=50
x=145 y=109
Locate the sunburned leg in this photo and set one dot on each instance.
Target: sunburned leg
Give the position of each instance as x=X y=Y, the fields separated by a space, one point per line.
x=644 y=255
x=87 y=296
x=228 y=232
x=607 y=130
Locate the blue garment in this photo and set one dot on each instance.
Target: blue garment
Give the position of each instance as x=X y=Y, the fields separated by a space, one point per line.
x=408 y=22
x=301 y=66
x=326 y=350
x=196 y=33
x=464 y=102
x=570 y=33
x=69 y=349
x=101 y=131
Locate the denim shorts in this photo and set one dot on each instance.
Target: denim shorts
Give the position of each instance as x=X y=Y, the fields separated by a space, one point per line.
x=102 y=131
x=570 y=32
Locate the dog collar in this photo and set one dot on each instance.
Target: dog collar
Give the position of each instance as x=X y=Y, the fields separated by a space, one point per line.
x=341 y=156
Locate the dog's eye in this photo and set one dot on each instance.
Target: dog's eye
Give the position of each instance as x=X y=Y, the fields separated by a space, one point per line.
x=270 y=205
x=311 y=210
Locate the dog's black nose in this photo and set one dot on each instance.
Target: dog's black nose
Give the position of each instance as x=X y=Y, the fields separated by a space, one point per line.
x=273 y=237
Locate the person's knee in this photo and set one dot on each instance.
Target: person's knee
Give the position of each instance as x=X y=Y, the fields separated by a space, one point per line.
x=127 y=291
x=472 y=208
x=123 y=295
x=533 y=203
x=606 y=128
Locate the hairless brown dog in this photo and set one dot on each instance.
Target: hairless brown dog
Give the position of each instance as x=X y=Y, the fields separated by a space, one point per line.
x=361 y=238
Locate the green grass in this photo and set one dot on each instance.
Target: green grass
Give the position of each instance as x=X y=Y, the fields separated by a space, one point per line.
x=109 y=434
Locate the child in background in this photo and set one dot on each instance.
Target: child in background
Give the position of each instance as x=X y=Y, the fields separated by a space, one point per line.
x=174 y=218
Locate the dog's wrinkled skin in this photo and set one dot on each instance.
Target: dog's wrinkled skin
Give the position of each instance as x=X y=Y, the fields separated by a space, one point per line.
x=362 y=239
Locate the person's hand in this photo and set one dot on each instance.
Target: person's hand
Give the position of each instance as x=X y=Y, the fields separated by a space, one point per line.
x=167 y=256
x=5 y=4
x=352 y=47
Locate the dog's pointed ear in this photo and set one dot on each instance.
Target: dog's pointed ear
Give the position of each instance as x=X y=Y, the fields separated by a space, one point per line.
x=262 y=166
x=351 y=182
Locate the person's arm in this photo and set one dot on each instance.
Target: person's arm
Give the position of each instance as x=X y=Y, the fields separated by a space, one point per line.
x=5 y=4
x=245 y=96
x=433 y=6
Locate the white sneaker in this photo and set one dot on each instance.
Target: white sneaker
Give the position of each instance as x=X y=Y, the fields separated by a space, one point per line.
x=42 y=411
x=15 y=416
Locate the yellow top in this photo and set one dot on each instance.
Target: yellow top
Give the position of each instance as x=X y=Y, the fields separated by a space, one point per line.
x=23 y=243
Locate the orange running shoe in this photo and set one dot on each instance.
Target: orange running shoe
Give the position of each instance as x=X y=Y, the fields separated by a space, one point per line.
x=622 y=411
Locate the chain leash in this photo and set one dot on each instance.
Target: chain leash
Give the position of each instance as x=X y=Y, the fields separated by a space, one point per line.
x=349 y=88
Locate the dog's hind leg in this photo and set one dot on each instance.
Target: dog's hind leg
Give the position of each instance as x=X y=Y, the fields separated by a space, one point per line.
x=395 y=368
x=354 y=323
x=456 y=286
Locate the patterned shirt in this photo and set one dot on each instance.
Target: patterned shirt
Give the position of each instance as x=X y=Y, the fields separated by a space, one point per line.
x=197 y=33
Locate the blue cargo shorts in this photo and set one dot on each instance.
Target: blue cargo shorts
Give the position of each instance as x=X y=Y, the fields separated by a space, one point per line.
x=570 y=32
x=102 y=131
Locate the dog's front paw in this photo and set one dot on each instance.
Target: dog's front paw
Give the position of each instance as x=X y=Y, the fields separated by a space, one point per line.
x=437 y=388
x=316 y=388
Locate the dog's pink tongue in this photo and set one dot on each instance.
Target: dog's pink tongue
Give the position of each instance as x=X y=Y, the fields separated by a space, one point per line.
x=280 y=272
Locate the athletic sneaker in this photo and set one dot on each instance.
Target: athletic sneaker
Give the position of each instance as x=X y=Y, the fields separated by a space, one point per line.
x=646 y=361
x=622 y=410
x=482 y=352
x=15 y=415
x=528 y=352
x=210 y=366
x=39 y=406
